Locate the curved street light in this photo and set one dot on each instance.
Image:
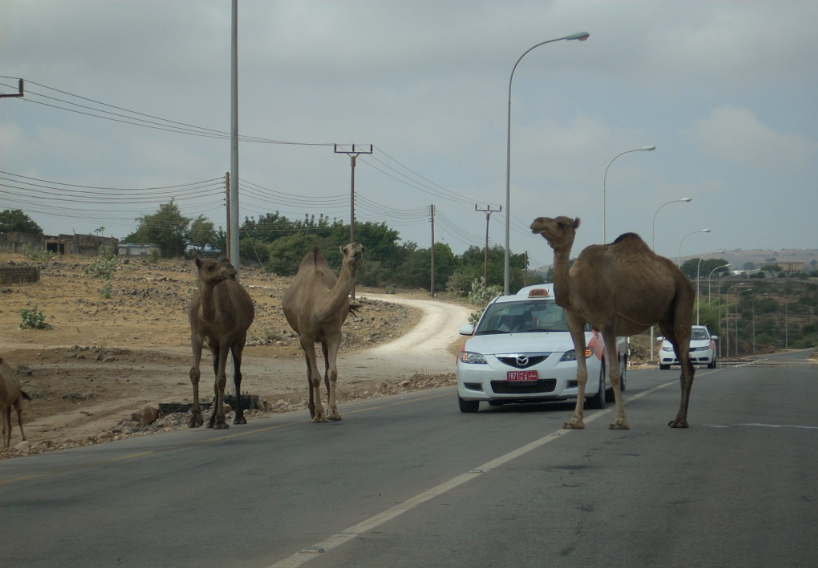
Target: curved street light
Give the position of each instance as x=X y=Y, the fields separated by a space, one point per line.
x=698 y=278
x=683 y=240
x=653 y=248
x=709 y=283
x=581 y=36
x=642 y=149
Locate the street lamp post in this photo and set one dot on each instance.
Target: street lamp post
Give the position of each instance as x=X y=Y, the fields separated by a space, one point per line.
x=698 y=278
x=581 y=36
x=604 y=177
x=727 y=320
x=709 y=282
x=653 y=248
x=683 y=240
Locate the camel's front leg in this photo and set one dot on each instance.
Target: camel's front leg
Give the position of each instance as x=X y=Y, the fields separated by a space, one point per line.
x=577 y=327
x=614 y=374
x=196 y=419
x=217 y=420
x=331 y=353
x=18 y=406
x=315 y=381
x=6 y=427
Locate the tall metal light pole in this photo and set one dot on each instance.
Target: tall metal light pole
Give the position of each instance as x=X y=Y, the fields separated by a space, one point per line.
x=698 y=278
x=708 y=280
x=683 y=240
x=653 y=248
x=233 y=246
x=581 y=36
x=604 y=177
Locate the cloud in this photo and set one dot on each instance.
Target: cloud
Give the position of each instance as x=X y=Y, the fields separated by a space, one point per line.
x=737 y=135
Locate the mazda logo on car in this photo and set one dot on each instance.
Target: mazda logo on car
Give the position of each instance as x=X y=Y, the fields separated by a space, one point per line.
x=522 y=361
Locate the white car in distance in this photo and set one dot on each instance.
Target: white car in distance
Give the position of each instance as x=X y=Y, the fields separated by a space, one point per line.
x=702 y=349
x=521 y=351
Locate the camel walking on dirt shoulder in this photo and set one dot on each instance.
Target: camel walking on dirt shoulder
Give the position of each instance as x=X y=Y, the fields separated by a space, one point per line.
x=10 y=395
x=220 y=313
x=621 y=288
x=316 y=305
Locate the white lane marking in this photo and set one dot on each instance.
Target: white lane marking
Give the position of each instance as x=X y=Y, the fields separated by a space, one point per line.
x=759 y=425
x=375 y=521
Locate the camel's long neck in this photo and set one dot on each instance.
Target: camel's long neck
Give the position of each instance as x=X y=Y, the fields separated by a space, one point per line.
x=207 y=295
x=340 y=292
x=562 y=284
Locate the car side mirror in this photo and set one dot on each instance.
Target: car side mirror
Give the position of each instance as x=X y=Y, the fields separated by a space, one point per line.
x=714 y=337
x=467 y=329
x=660 y=338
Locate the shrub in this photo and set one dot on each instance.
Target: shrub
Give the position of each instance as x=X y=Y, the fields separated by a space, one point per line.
x=153 y=257
x=480 y=293
x=474 y=317
x=391 y=290
x=34 y=254
x=33 y=319
x=104 y=264
x=459 y=285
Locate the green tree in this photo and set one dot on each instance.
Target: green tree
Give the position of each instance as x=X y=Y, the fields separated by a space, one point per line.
x=286 y=253
x=691 y=267
x=202 y=232
x=15 y=221
x=167 y=229
x=749 y=266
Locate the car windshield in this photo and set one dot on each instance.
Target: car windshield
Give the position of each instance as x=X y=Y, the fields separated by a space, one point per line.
x=699 y=334
x=523 y=316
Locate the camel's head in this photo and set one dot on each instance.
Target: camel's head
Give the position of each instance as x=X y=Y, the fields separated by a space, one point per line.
x=559 y=232
x=353 y=255
x=213 y=271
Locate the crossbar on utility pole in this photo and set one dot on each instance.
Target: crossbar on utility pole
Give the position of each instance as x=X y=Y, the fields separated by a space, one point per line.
x=488 y=211
x=21 y=90
x=353 y=158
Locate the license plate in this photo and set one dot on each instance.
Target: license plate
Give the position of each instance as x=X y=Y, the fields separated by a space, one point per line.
x=521 y=376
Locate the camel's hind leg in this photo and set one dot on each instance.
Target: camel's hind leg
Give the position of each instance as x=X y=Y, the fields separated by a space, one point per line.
x=331 y=355
x=18 y=406
x=679 y=337
x=311 y=404
x=196 y=419
x=577 y=327
x=315 y=380
x=236 y=349
x=6 y=417
x=620 y=421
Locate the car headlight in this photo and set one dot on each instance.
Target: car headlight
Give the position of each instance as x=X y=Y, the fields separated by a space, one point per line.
x=571 y=355
x=472 y=357
x=667 y=348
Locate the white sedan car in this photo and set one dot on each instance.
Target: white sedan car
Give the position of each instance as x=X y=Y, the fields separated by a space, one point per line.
x=521 y=351
x=702 y=349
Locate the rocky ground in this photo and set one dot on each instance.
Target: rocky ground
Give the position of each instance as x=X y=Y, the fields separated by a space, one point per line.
x=106 y=360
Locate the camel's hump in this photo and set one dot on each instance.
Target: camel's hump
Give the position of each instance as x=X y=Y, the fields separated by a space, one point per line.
x=628 y=237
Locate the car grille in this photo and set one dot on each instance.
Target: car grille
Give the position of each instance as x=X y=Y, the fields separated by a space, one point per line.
x=523 y=361
x=506 y=387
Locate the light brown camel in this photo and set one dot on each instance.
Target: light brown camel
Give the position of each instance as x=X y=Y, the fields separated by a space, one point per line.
x=10 y=395
x=621 y=288
x=220 y=313
x=316 y=305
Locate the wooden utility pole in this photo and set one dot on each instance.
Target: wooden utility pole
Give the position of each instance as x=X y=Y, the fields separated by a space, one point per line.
x=432 y=210
x=525 y=274
x=488 y=211
x=353 y=159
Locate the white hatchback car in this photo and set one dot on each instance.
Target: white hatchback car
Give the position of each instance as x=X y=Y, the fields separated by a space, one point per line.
x=521 y=351
x=702 y=349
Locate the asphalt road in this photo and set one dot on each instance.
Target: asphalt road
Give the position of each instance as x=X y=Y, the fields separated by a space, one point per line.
x=409 y=481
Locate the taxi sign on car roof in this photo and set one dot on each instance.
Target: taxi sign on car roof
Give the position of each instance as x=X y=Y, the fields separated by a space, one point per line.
x=538 y=293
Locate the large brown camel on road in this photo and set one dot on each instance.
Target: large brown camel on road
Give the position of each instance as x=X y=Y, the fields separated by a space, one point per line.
x=220 y=313
x=621 y=288
x=10 y=395
x=316 y=305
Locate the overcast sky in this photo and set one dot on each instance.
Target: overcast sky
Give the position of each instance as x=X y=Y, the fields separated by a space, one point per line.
x=725 y=90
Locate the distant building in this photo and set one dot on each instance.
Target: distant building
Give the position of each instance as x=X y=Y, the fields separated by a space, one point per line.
x=131 y=250
x=86 y=245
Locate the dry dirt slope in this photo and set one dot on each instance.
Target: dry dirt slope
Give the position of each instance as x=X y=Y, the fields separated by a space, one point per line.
x=106 y=358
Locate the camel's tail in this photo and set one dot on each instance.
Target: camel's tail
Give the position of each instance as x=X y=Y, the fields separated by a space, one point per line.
x=25 y=395
x=315 y=255
x=353 y=309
